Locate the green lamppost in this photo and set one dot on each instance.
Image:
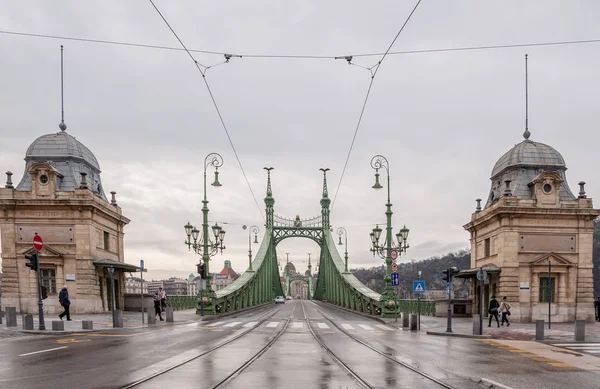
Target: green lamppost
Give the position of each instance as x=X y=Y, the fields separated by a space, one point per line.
x=204 y=245
x=255 y=230
x=342 y=231
x=389 y=301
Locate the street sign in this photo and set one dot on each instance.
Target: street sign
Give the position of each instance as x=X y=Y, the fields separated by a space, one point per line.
x=481 y=275
x=394 y=254
x=394 y=267
x=141 y=264
x=448 y=289
x=419 y=286
x=38 y=244
x=395 y=279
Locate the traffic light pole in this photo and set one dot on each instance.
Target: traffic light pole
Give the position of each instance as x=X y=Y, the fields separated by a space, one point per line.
x=39 y=288
x=449 y=326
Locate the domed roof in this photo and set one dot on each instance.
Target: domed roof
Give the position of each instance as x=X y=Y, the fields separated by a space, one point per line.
x=61 y=145
x=69 y=157
x=289 y=266
x=531 y=154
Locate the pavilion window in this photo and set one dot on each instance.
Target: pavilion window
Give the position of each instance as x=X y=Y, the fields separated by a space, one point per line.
x=487 y=247
x=48 y=277
x=547 y=285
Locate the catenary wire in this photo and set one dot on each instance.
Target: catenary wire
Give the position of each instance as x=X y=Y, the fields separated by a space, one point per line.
x=215 y=105
x=301 y=56
x=362 y=111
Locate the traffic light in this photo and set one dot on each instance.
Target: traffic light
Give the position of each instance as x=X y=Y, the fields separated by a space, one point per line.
x=33 y=261
x=44 y=292
x=201 y=270
x=448 y=275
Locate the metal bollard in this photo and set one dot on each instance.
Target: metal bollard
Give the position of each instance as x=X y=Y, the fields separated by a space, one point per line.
x=87 y=325
x=58 y=325
x=151 y=317
x=169 y=315
x=404 y=318
x=117 y=318
x=11 y=316
x=28 y=322
x=476 y=328
x=413 y=322
x=539 y=330
x=579 y=330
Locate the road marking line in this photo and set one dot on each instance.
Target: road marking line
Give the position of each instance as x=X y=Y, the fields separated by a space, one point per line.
x=576 y=344
x=592 y=351
x=384 y=327
x=366 y=327
x=328 y=332
x=250 y=324
x=214 y=324
x=516 y=350
x=528 y=354
x=119 y=335
x=347 y=326
x=43 y=351
x=583 y=347
x=233 y=324
x=72 y=340
x=496 y=383
x=297 y=325
x=559 y=364
x=273 y=324
x=544 y=359
x=322 y=325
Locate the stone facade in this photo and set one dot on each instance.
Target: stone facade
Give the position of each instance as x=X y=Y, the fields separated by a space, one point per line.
x=516 y=236
x=82 y=231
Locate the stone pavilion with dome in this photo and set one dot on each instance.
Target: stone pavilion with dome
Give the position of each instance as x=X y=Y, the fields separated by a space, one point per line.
x=532 y=218
x=61 y=198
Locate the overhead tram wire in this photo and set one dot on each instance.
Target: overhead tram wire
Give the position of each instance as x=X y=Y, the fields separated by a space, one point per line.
x=203 y=73
x=362 y=111
x=301 y=56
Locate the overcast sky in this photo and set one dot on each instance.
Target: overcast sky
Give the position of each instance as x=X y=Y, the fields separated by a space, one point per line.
x=442 y=119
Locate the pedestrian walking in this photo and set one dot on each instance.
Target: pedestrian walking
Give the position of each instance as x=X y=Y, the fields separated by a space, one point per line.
x=493 y=311
x=63 y=299
x=505 y=311
x=163 y=299
x=597 y=306
x=157 y=310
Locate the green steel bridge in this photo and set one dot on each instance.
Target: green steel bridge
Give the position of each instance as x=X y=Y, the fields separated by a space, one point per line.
x=261 y=283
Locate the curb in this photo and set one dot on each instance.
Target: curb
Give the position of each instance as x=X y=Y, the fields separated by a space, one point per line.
x=457 y=335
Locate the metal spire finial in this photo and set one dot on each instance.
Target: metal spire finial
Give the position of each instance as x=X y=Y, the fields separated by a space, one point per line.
x=526 y=134
x=62 y=125
x=325 y=170
x=269 y=191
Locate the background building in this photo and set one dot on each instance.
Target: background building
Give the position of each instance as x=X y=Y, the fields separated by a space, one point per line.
x=136 y=285
x=224 y=278
x=61 y=198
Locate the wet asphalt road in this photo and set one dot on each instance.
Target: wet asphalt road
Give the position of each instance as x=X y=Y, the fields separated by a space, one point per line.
x=294 y=360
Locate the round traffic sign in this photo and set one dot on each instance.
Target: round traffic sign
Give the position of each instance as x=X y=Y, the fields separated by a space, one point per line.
x=38 y=244
x=394 y=254
x=481 y=275
x=394 y=267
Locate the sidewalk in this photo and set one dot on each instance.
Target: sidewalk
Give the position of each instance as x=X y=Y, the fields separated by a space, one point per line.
x=101 y=321
x=516 y=331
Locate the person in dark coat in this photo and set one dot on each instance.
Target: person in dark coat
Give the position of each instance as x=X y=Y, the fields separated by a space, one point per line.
x=493 y=311
x=157 y=306
x=63 y=299
x=597 y=306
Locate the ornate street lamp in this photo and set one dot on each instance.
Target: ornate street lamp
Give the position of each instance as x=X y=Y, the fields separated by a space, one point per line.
x=342 y=231
x=255 y=230
x=203 y=245
x=388 y=297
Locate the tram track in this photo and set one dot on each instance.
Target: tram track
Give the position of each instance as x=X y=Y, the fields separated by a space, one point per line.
x=360 y=380
x=261 y=319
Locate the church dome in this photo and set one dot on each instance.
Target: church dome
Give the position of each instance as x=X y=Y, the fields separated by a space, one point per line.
x=529 y=154
x=289 y=267
x=60 y=145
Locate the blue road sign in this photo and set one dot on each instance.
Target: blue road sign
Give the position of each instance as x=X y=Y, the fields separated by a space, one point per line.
x=419 y=286
x=142 y=264
x=395 y=279
x=448 y=289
